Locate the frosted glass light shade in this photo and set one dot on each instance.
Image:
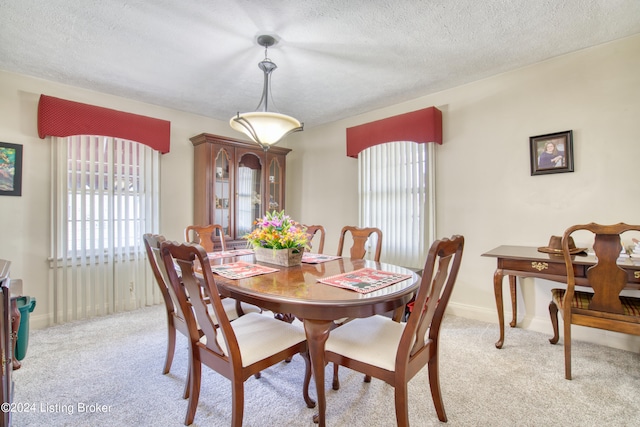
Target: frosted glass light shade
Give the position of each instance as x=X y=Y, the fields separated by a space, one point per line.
x=265 y=128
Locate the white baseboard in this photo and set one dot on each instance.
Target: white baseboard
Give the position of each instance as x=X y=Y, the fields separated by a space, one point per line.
x=543 y=325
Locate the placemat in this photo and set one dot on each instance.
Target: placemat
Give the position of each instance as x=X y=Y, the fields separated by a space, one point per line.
x=229 y=254
x=310 y=258
x=364 y=280
x=241 y=270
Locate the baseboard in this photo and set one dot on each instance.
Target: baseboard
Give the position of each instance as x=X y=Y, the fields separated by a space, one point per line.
x=543 y=325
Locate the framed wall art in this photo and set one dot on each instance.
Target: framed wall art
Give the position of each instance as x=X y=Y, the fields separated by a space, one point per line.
x=551 y=153
x=10 y=169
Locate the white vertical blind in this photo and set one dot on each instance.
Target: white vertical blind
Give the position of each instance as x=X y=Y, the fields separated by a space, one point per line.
x=396 y=191
x=104 y=198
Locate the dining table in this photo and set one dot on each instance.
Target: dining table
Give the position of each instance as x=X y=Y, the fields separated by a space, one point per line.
x=296 y=292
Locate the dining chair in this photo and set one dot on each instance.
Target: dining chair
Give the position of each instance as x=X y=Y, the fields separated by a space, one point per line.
x=602 y=307
x=396 y=351
x=175 y=317
x=360 y=236
x=206 y=236
x=312 y=230
x=358 y=250
x=236 y=350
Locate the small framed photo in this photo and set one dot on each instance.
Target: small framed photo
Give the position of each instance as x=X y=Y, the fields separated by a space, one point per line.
x=551 y=153
x=10 y=169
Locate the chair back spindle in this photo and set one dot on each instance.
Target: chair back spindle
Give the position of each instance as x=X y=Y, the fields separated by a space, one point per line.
x=206 y=236
x=360 y=237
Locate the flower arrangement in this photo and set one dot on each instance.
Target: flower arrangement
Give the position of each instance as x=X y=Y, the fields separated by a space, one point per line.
x=277 y=231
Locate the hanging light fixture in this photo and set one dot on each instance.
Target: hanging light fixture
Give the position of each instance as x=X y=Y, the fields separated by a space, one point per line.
x=262 y=126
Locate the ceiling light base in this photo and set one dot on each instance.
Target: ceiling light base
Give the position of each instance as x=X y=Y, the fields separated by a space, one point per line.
x=266 y=40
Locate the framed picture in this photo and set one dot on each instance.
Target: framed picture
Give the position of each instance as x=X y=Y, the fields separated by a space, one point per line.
x=551 y=153
x=10 y=169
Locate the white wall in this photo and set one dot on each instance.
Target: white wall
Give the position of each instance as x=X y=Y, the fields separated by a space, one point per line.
x=484 y=187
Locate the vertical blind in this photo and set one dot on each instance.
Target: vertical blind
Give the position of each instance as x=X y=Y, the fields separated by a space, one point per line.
x=396 y=191
x=104 y=198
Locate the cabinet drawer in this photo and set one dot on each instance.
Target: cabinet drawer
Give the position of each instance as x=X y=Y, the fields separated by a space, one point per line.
x=540 y=267
x=634 y=276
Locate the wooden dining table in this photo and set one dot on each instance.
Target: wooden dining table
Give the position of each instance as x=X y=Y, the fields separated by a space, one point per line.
x=296 y=291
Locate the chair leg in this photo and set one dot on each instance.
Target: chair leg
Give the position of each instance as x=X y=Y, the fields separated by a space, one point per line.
x=336 y=381
x=567 y=350
x=367 y=378
x=434 y=384
x=553 y=313
x=402 y=405
x=307 y=380
x=194 y=393
x=237 y=405
x=171 y=347
x=187 y=383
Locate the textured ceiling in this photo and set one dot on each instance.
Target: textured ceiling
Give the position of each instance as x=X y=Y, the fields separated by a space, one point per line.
x=336 y=58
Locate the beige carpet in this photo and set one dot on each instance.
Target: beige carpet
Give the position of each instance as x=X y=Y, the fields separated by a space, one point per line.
x=107 y=372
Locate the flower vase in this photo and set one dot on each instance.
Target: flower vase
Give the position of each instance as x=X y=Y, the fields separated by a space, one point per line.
x=285 y=257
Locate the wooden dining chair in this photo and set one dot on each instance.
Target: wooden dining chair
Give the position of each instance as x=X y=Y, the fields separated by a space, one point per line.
x=604 y=307
x=360 y=236
x=175 y=317
x=358 y=250
x=395 y=352
x=206 y=236
x=236 y=350
x=312 y=230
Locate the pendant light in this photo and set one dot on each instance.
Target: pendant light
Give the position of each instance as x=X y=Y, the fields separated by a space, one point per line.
x=264 y=127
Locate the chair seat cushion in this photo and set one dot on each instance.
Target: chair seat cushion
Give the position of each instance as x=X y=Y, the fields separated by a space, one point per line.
x=229 y=305
x=373 y=340
x=260 y=336
x=581 y=300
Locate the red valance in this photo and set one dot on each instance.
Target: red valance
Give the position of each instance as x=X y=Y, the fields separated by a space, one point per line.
x=60 y=117
x=421 y=126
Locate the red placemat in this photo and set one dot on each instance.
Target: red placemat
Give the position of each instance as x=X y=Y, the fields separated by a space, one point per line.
x=229 y=254
x=364 y=280
x=241 y=270
x=310 y=258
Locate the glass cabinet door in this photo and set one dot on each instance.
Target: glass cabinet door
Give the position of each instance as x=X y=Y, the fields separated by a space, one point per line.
x=248 y=193
x=275 y=186
x=222 y=191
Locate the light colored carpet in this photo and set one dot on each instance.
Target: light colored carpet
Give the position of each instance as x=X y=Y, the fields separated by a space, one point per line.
x=107 y=372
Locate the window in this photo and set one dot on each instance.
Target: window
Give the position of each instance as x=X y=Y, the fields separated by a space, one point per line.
x=396 y=191
x=105 y=197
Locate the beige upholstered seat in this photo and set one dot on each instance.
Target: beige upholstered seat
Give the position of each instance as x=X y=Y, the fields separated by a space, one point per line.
x=395 y=352
x=604 y=307
x=236 y=350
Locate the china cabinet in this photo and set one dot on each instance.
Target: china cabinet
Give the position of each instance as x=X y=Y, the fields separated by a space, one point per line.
x=235 y=182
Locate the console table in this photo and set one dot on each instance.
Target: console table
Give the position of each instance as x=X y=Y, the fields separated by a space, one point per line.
x=9 y=324
x=527 y=261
